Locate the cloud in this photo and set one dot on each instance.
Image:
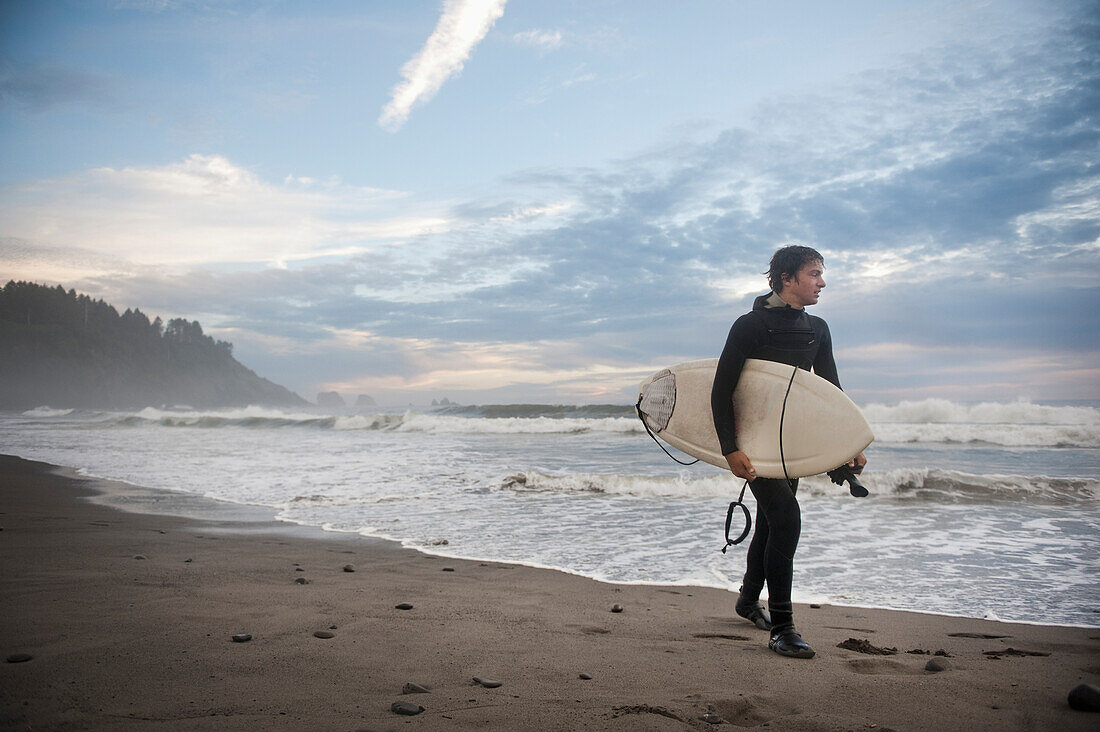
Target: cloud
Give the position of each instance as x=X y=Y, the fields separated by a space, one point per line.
x=543 y=40
x=461 y=27
x=954 y=198
x=206 y=210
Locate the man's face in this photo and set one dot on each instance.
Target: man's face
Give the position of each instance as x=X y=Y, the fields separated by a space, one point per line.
x=805 y=287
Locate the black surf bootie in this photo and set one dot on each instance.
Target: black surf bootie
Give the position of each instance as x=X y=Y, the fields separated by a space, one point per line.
x=787 y=642
x=753 y=612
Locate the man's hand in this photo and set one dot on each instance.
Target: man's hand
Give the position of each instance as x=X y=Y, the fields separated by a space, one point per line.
x=856 y=464
x=741 y=467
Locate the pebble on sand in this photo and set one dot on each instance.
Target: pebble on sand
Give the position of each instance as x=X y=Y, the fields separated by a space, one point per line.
x=301 y=581
x=487 y=683
x=936 y=665
x=616 y=608
x=242 y=637
x=323 y=634
x=406 y=708
x=1083 y=697
x=19 y=657
x=448 y=569
x=411 y=688
x=349 y=567
x=586 y=677
x=140 y=556
x=404 y=606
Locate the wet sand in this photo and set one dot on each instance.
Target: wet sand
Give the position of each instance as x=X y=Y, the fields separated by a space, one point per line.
x=129 y=620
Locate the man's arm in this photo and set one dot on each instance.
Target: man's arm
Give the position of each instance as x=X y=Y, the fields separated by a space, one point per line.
x=824 y=365
x=739 y=344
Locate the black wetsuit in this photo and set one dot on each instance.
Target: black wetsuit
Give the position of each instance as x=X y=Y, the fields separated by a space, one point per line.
x=772 y=331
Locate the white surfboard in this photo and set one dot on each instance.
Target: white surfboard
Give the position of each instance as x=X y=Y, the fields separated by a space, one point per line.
x=822 y=427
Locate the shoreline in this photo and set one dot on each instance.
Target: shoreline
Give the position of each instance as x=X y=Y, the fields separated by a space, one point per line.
x=114 y=493
x=121 y=642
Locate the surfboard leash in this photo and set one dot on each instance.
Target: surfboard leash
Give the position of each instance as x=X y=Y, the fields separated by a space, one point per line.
x=782 y=415
x=729 y=519
x=741 y=498
x=837 y=475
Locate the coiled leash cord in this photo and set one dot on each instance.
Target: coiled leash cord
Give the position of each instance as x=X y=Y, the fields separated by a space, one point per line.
x=741 y=498
x=729 y=520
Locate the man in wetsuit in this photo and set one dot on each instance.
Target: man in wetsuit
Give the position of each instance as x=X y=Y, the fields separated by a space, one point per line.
x=777 y=329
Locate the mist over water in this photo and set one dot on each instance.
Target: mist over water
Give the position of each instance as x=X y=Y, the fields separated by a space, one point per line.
x=974 y=509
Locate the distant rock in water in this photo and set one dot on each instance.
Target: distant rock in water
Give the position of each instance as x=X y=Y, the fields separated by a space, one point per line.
x=70 y=351
x=365 y=401
x=330 y=399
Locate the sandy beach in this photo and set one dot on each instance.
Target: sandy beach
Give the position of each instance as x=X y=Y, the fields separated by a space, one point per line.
x=129 y=621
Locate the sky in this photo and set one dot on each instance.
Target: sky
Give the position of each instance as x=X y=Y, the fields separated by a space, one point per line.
x=503 y=201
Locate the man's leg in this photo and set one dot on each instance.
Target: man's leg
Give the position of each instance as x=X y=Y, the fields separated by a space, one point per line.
x=748 y=602
x=776 y=498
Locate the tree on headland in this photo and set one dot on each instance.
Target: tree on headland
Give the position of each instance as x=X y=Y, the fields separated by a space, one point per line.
x=65 y=349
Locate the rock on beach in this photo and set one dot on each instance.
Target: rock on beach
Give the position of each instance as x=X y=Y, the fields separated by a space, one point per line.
x=1085 y=698
x=407 y=708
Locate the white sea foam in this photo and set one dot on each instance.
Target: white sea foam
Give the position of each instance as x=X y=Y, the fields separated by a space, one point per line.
x=1005 y=434
x=932 y=421
x=216 y=417
x=410 y=421
x=942 y=411
x=715 y=486
x=413 y=422
x=904 y=483
x=1011 y=424
x=47 y=412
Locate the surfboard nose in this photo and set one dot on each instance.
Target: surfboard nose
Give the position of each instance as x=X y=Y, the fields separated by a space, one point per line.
x=657 y=399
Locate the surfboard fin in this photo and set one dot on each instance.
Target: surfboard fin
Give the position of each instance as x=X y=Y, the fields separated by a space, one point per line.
x=845 y=474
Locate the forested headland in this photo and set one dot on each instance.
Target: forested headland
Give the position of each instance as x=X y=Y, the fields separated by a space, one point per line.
x=64 y=349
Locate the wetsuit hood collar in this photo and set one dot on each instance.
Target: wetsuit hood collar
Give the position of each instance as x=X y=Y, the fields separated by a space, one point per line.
x=771 y=301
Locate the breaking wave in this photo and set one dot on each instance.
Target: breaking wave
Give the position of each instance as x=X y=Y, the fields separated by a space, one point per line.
x=1011 y=424
x=904 y=483
x=47 y=412
x=931 y=421
x=942 y=411
x=264 y=417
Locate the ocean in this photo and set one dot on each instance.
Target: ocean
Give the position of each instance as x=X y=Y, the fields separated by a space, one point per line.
x=977 y=510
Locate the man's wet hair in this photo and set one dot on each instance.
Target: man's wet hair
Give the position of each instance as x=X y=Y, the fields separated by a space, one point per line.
x=788 y=260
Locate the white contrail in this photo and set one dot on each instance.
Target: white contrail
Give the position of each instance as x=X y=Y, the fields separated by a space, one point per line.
x=461 y=27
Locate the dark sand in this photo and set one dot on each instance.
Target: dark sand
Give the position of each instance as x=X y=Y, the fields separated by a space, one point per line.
x=120 y=642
